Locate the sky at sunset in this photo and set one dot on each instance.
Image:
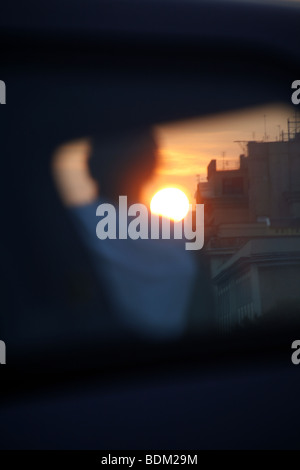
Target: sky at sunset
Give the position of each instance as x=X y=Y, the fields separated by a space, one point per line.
x=187 y=147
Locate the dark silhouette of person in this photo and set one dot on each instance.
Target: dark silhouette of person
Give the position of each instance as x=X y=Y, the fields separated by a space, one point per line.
x=149 y=282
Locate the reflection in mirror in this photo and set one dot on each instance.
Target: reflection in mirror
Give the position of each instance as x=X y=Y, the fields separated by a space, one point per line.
x=244 y=167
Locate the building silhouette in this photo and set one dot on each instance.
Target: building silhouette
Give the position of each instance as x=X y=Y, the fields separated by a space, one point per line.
x=252 y=229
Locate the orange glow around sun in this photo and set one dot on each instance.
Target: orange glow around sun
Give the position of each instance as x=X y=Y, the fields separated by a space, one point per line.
x=171 y=203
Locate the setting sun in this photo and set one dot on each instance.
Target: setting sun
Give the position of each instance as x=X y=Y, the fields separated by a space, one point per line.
x=171 y=203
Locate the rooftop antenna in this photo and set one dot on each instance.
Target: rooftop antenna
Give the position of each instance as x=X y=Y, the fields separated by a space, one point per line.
x=293 y=126
x=265 y=128
x=243 y=145
x=297 y=123
x=279 y=131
